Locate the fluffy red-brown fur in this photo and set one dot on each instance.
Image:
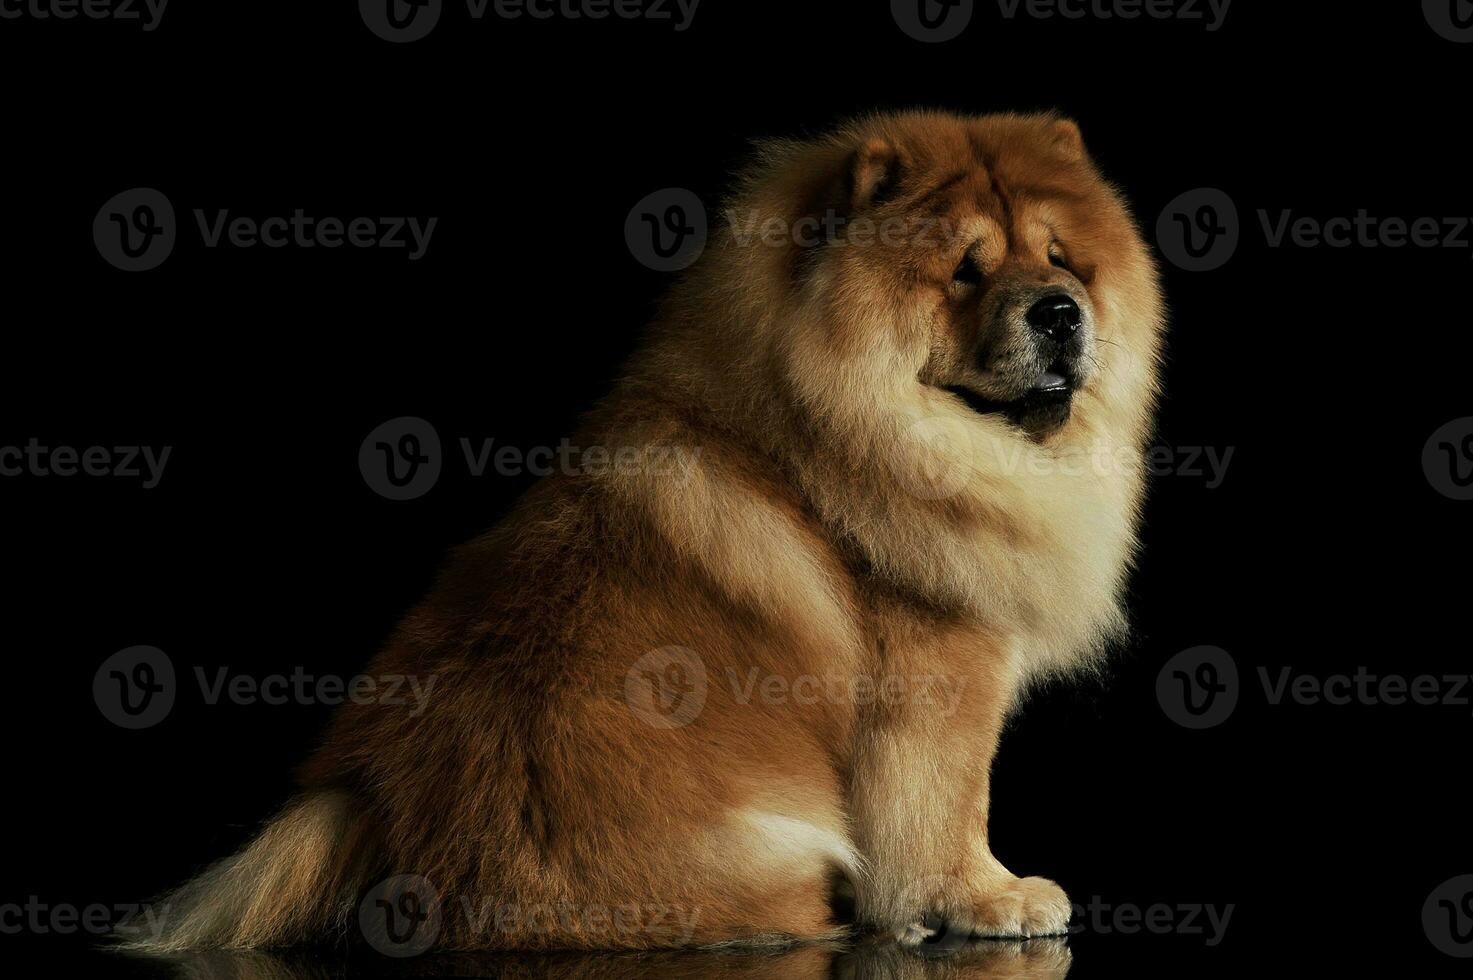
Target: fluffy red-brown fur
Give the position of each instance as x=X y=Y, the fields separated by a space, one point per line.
x=838 y=512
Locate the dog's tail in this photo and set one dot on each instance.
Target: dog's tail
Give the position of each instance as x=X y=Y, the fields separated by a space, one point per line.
x=298 y=880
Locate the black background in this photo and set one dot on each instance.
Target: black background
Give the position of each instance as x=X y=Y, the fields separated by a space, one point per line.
x=262 y=549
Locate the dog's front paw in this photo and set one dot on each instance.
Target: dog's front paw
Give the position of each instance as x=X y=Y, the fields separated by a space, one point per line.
x=1000 y=908
x=1021 y=908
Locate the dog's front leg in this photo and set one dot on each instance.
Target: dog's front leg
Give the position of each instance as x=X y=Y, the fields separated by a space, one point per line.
x=919 y=798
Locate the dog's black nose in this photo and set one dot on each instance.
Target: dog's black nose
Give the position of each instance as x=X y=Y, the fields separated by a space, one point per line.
x=1056 y=316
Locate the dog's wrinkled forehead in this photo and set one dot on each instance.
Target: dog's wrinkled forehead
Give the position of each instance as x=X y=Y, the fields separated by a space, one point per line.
x=997 y=184
x=980 y=168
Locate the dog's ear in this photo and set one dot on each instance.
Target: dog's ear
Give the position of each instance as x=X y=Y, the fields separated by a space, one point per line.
x=1066 y=138
x=872 y=174
x=851 y=178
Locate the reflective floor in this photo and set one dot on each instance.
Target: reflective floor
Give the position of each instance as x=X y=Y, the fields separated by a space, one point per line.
x=1035 y=960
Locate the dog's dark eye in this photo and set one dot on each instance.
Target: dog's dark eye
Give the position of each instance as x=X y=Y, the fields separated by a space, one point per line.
x=968 y=272
x=1057 y=260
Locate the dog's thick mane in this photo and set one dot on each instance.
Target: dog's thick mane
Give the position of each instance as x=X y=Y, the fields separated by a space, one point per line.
x=957 y=511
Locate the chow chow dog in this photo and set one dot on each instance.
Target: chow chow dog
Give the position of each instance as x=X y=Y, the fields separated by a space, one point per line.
x=716 y=703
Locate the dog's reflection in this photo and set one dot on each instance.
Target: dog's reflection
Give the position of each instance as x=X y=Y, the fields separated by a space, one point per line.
x=1034 y=960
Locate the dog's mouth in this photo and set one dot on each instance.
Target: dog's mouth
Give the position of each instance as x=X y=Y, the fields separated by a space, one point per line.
x=1041 y=409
